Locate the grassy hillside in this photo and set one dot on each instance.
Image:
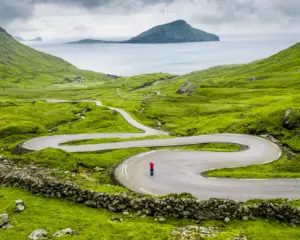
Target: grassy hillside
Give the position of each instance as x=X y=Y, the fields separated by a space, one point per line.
x=250 y=98
x=22 y=66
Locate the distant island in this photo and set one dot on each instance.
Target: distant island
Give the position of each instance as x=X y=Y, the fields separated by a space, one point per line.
x=175 y=32
x=91 y=41
x=20 y=39
x=38 y=39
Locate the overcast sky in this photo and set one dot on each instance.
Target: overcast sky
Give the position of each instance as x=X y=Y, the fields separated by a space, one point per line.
x=76 y=19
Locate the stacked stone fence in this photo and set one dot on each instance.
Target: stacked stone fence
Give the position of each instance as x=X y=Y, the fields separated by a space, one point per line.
x=213 y=209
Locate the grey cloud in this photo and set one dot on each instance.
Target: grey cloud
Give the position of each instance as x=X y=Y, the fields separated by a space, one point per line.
x=90 y=4
x=290 y=8
x=228 y=11
x=13 y=9
x=238 y=11
x=23 y=9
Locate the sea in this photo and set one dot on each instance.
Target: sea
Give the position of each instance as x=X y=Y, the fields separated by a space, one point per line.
x=179 y=58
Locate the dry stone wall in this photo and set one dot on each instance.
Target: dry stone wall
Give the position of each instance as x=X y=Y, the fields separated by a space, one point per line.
x=38 y=181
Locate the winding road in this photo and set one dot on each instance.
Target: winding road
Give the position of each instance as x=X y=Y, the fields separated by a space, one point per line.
x=180 y=171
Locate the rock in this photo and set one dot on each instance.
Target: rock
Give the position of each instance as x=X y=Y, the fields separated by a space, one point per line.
x=113 y=76
x=252 y=78
x=116 y=219
x=146 y=100
x=161 y=219
x=270 y=137
x=187 y=88
x=20 y=207
x=239 y=237
x=79 y=79
x=38 y=234
x=291 y=119
x=99 y=169
x=193 y=232
x=245 y=218
x=156 y=92
x=3 y=219
x=227 y=220
x=7 y=226
x=67 y=231
x=126 y=213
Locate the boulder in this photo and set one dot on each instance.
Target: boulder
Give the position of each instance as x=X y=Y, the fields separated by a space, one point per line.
x=227 y=220
x=67 y=231
x=20 y=207
x=3 y=219
x=194 y=232
x=116 y=219
x=252 y=78
x=99 y=169
x=291 y=119
x=38 y=234
x=7 y=226
x=161 y=219
x=187 y=88
x=239 y=237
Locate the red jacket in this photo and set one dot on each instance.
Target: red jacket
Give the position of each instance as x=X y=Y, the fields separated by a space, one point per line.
x=151 y=165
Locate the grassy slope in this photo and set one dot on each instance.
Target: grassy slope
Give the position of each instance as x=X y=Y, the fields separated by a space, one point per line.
x=226 y=101
x=22 y=66
x=54 y=215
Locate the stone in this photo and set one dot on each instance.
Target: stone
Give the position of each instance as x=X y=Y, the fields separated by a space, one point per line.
x=7 y=226
x=38 y=234
x=20 y=207
x=115 y=219
x=245 y=218
x=252 y=78
x=227 y=220
x=126 y=213
x=67 y=231
x=239 y=237
x=3 y=219
x=99 y=169
x=188 y=87
x=194 y=232
x=291 y=119
x=186 y=213
x=161 y=219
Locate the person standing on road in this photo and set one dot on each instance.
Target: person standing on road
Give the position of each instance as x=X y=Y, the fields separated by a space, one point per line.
x=151 y=164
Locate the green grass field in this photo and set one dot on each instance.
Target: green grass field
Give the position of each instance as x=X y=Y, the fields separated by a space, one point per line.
x=250 y=98
x=56 y=214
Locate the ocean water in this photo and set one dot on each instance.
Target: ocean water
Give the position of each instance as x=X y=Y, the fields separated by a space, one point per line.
x=180 y=58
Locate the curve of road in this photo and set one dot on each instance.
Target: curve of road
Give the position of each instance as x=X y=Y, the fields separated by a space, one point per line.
x=180 y=171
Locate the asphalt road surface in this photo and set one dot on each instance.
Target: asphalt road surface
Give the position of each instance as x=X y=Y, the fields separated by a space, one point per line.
x=180 y=171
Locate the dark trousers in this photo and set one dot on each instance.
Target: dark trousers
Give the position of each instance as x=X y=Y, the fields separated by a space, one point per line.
x=151 y=172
